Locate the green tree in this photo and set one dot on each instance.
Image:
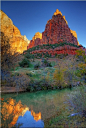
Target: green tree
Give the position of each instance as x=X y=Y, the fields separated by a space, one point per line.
x=24 y=63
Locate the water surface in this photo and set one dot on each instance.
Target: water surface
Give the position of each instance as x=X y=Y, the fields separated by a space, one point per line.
x=48 y=102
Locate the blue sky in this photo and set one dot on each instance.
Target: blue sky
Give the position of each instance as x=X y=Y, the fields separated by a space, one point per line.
x=31 y=16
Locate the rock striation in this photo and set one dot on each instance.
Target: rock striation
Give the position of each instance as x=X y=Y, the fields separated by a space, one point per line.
x=11 y=36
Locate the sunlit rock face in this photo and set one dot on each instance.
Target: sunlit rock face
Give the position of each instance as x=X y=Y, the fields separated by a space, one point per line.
x=57 y=12
x=25 y=38
x=37 y=35
x=65 y=19
x=74 y=34
x=6 y=25
x=17 y=43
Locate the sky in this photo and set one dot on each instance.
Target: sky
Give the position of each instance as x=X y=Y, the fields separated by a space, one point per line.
x=32 y=16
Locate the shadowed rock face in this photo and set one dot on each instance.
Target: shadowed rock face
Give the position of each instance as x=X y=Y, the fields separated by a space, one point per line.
x=16 y=41
x=56 y=32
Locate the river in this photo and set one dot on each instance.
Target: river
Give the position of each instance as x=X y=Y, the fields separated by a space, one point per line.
x=46 y=102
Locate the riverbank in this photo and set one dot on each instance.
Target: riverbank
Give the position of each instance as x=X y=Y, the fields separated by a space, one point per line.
x=11 y=90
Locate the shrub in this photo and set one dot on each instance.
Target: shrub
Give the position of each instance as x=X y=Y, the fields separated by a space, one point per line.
x=68 y=77
x=82 y=68
x=24 y=63
x=27 y=55
x=16 y=74
x=80 y=54
x=20 y=81
x=38 y=85
x=46 y=63
x=16 y=80
x=36 y=66
x=29 y=74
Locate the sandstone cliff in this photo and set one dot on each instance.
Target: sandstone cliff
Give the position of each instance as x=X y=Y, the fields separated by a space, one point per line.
x=25 y=38
x=10 y=31
x=56 y=32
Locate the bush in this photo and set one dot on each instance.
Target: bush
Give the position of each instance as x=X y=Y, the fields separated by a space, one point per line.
x=24 y=63
x=49 y=64
x=15 y=80
x=20 y=81
x=80 y=54
x=38 y=85
x=33 y=86
x=81 y=71
x=46 y=63
x=36 y=66
x=29 y=74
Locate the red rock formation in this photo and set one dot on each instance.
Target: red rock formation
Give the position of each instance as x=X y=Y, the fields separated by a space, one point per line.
x=34 y=43
x=56 y=31
x=36 y=40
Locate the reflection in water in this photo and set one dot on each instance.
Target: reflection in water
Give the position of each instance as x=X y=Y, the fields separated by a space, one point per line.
x=28 y=121
x=11 y=110
x=37 y=116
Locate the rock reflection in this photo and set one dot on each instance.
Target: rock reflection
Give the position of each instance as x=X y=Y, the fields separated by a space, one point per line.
x=11 y=110
x=1 y=99
x=37 y=116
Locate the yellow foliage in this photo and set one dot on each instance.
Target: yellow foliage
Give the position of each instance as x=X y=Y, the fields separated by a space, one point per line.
x=82 y=68
x=80 y=52
x=58 y=76
x=81 y=55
